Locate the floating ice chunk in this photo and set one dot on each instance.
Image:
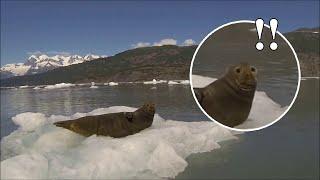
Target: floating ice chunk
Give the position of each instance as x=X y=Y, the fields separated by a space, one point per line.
x=156 y=152
x=29 y=121
x=93 y=86
x=113 y=84
x=264 y=110
x=60 y=85
x=8 y=88
x=186 y=82
x=306 y=78
x=154 y=81
x=37 y=87
x=25 y=166
x=173 y=82
x=23 y=87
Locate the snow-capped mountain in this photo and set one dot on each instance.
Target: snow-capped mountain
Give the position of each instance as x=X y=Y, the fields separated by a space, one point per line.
x=42 y=63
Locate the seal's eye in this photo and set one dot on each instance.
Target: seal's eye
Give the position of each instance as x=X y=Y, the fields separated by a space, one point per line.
x=238 y=70
x=253 y=69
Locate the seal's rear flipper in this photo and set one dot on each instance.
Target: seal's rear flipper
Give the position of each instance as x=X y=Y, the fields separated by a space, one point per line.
x=198 y=93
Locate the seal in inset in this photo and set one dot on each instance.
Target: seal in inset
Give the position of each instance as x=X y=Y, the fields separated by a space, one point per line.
x=228 y=100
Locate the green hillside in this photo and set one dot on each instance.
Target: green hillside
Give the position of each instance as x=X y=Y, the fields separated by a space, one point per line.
x=165 y=62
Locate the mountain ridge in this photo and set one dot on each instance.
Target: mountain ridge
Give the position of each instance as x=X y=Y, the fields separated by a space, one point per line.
x=39 y=63
x=167 y=62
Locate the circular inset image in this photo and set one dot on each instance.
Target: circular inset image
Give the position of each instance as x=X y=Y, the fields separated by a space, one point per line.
x=240 y=86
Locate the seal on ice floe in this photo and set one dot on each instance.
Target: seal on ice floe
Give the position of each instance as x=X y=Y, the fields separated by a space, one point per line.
x=114 y=124
x=228 y=100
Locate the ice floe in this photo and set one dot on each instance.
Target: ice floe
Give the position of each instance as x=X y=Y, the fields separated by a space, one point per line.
x=176 y=82
x=23 y=87
x=264 y=110
x=184 y=82
x=93 y=85
x=173 y=82
x=8 y=88
x=37 y=87
x=154 y=81
x=60 y=85
x=306 y=78
x=40 y=150
x=113 y=84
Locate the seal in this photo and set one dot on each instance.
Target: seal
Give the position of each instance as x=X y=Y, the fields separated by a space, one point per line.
x=228 y=100
x=114 y=124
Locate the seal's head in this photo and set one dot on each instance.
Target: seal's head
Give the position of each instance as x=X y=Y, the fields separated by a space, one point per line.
x=149 y=107
x=243 y=77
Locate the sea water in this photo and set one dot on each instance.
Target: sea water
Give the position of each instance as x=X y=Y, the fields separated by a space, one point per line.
x=286 y=149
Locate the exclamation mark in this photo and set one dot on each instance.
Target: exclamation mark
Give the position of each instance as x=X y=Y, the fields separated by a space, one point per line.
x=259 y=26
x=273 y=26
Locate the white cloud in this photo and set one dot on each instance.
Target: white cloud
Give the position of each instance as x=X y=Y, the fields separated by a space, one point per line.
x=141 y=44
x=34 y=52
x=188 y=42
x=165 y=42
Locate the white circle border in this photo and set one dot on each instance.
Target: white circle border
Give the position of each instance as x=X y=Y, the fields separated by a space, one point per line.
x=249 y=129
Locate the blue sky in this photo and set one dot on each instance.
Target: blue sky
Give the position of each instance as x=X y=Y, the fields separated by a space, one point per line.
x=106 y=28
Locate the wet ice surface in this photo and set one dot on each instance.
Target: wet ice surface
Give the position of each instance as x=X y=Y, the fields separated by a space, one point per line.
x=263 y=112
x=40 y=150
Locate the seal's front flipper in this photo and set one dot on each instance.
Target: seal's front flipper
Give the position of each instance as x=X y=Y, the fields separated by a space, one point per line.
x=129 y=116
x=198 y=93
